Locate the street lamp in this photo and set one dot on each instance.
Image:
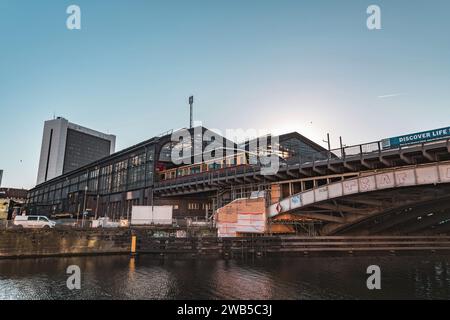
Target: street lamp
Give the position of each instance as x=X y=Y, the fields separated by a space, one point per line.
x=85 y=197
x=84 y=205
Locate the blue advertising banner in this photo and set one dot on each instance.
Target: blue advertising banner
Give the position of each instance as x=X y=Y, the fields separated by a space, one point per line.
x=414 y=138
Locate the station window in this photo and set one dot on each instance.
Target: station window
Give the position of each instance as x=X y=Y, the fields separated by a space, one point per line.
x=195 y=169
x=193 y=206
x=214 y=166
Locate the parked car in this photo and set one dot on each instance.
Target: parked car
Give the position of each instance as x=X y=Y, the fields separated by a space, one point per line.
x=34 y=222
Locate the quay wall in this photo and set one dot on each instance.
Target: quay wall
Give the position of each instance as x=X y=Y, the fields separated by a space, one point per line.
x=41 y=243
x=26 y=243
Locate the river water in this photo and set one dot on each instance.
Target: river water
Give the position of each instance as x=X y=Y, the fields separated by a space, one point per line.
x=147 y=277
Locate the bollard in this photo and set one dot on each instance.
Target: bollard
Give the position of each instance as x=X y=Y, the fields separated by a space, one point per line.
x=133 y=245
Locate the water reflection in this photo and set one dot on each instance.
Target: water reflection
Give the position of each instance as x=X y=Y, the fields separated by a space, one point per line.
x=146 y=277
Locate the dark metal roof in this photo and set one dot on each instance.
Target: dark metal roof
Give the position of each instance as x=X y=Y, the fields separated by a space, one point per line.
x=162 y=139
x=296 y=135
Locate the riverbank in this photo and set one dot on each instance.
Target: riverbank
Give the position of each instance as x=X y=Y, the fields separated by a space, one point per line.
x=28 y=243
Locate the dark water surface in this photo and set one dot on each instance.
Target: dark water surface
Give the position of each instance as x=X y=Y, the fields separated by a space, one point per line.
x=146 y=277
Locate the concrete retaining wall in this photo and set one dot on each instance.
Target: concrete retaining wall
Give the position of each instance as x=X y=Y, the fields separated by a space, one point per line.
x=31 y=243
x=42 y=243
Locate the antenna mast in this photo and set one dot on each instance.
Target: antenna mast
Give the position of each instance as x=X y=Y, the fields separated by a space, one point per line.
x=191 y=102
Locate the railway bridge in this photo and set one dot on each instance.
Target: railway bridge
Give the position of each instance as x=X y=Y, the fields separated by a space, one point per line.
x=403 y=200
x=333 y=164
x=357 y=190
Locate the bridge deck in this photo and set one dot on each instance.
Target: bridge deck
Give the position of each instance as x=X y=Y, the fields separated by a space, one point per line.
x=350 y=159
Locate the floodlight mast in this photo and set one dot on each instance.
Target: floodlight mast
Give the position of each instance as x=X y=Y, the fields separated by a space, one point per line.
x=191 y=102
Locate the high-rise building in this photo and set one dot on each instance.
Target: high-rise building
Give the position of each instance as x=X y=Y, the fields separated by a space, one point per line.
x=67 y=146
x=1 y=177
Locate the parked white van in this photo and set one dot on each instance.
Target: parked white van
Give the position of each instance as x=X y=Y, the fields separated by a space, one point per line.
x=33 y=222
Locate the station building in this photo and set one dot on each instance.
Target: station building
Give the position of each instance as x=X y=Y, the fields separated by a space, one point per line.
x=112 y=185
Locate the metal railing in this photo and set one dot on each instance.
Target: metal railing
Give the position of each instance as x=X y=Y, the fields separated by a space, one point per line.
x=358 y=151
x=210 y=176
x=309 y=159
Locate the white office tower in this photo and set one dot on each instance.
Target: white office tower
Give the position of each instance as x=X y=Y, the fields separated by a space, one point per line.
x=67 y=146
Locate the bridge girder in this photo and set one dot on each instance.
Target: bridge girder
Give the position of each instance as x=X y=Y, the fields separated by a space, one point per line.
x=357 y=211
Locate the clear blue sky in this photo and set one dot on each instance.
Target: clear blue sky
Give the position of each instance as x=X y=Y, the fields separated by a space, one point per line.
x=309 y=66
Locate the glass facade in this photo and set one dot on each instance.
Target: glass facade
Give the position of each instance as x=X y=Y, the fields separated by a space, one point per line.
x=293 y=147
x=133 y=171
x=114 y=184
x=82 y=149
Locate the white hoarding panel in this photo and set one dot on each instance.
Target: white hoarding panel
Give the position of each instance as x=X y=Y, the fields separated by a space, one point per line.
x=405 y=178
x=427 y=175
x=162 y=214
x=143 y=215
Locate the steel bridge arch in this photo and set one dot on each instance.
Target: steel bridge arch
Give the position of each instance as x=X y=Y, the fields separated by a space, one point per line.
x=341 y=205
